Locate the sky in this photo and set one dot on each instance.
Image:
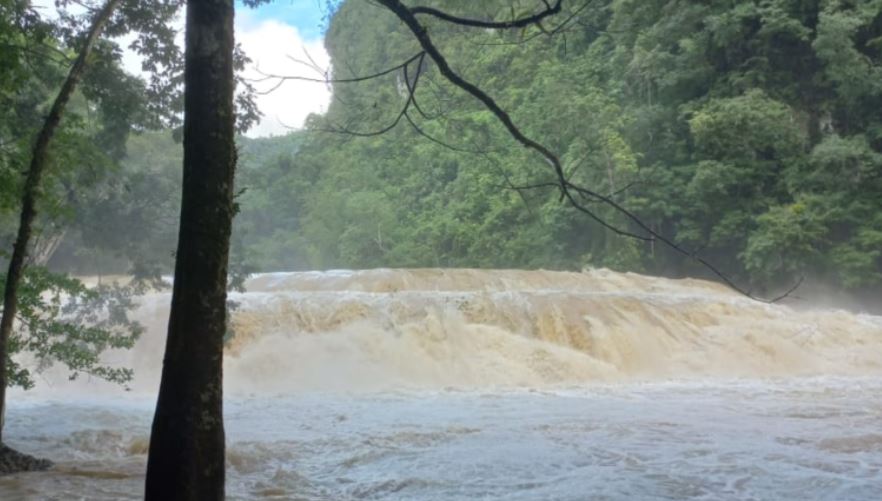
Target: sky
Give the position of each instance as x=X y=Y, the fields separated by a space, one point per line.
x=270 y=35
x=304 y=15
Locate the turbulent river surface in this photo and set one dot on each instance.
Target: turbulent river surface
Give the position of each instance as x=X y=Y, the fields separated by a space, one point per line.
x=465 y=384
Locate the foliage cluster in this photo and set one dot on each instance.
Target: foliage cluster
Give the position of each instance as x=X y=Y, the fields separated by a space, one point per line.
x=61 y=321
x=747 y=131
x=58 y=319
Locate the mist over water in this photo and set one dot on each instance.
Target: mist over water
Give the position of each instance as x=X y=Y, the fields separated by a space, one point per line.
x=465 y=384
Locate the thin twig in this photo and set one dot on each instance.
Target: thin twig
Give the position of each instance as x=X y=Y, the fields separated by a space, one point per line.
x=271 y=76
x=476 y=23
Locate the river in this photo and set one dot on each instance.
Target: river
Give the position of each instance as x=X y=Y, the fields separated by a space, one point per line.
x=466 y=384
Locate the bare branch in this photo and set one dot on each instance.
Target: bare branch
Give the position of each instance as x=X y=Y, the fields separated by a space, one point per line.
x=345 y=130
x=411 y=100
x=437 y=141
x=271 y=76
x=475 y=23
x=562 y=27
x=411 y=86
x=429 y=48
x=567 y=188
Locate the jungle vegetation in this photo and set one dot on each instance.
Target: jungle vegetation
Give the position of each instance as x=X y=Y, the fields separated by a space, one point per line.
x=743 y=134
x=747 y=132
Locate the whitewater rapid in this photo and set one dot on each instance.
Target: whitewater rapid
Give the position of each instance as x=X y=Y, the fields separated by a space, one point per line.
x=494 y=384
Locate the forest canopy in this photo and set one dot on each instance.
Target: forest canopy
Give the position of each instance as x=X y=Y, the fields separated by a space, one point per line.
x=738 y=141
x=747 y=132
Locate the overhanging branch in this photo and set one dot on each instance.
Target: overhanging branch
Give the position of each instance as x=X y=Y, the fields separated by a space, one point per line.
x=280 y=79
x=549 y=10
x=566 y=188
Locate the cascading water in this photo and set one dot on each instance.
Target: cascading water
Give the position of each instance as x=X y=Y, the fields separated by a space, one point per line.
x=465 y=384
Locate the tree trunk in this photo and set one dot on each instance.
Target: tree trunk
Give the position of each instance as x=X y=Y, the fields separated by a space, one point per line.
x=186 y=460
x=31 y=191
x=44 y=248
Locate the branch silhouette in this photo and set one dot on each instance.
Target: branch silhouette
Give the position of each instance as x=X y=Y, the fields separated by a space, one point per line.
x=476 y=23
x=564 y=185
x=575 y=195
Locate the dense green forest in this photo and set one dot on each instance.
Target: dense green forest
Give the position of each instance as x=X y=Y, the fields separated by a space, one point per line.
x=748 y=132
x=735 y=140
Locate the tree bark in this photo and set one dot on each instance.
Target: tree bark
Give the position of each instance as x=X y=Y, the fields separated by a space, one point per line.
x=186 y=457
x=32 y=189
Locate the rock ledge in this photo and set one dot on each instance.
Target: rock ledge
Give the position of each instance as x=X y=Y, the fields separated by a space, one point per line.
x=12 y=461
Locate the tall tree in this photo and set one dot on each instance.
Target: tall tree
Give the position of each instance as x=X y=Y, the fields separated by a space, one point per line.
x=186 y=456
x=39 y=160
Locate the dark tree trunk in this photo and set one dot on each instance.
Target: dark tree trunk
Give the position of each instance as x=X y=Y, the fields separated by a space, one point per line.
x=32 y=189
x=186 y=460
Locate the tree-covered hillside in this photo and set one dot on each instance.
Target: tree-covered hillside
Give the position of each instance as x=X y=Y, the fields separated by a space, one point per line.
x=749 y=132
x=735 y=140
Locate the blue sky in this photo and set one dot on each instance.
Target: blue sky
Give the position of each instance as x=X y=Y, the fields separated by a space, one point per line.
x=271 y=36
x=305 y=15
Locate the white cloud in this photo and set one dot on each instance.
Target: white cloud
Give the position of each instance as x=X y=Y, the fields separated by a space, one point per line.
x=271 y=45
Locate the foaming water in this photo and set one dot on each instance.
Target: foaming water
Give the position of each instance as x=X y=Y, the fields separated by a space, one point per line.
x=465 y=328
x=469 y=384
x=792 y=439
